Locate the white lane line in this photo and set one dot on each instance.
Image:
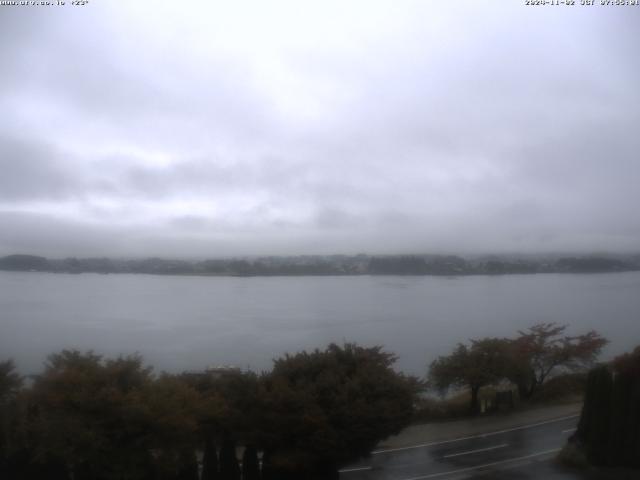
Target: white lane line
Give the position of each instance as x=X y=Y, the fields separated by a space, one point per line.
x=357 y=469
x=568 y=430
x=483 y=435
x=469 y=452
x=478 y=467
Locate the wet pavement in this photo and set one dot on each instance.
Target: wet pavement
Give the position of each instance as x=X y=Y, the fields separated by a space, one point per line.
x=522 y=452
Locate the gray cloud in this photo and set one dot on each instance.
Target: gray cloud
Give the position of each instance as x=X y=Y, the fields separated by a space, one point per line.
x=472 y=127
x=31 y=170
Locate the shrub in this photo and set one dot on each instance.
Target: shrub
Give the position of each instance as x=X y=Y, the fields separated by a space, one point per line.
x=561 y=387
x=572 y=456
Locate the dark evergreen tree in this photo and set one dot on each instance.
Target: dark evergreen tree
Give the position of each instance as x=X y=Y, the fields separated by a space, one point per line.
x=599 y=420
x=250 y=464
x=10 y=384
x=83 y=471
x=267 y=471
x=187 y=465
x=165 y=466
x=625 y=428
x=210 y=461
x=229 y=467
x=609 y=427
x=50 y=468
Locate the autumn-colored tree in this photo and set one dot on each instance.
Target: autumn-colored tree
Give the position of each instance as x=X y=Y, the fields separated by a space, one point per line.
x=90 y=415
x=543 y=349
x=483 y=362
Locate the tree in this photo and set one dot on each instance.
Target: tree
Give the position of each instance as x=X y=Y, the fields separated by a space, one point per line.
x=172 y=408
x=229 y=467
x=542 y=349
x=187 y=465
x=624 y=441
x=10 y=381
x=210 y=461
x=482 y=363
x=594 y=425
x=250 y=464
x=325 y=408
x=65 y=412
x=229 y=406
x=89 y=415
x=102 y=419
x=608 y=432
x=10 y=384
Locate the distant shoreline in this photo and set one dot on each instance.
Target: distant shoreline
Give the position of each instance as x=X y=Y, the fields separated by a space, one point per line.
x=316 y=275
x=330 y=265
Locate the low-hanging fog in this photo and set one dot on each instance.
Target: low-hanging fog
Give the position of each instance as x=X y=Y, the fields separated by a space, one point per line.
x=165 y=128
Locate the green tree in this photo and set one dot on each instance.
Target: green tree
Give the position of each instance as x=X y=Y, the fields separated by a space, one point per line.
x=173 y=409
x=65 y=415
x=543 y=349
x=483 y=362
x=230 y=404
x=328 y=407
x=104 y=418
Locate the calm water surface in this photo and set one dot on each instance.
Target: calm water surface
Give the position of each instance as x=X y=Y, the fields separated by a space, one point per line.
x=189 y=322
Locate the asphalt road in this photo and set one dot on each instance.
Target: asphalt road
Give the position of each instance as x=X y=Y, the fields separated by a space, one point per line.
x=524 y=452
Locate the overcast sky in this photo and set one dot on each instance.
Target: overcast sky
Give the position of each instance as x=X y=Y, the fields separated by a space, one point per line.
x=234 y=128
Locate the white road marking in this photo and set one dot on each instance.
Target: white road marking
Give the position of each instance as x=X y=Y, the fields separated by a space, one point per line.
x=357 y=469
x=483 y=435
x=568 y=430
x=477 y=467
x=469 y=452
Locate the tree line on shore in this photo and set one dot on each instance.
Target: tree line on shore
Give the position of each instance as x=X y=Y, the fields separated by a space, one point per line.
x=327 y=265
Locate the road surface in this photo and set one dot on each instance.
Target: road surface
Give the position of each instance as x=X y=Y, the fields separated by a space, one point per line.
x=523 y=452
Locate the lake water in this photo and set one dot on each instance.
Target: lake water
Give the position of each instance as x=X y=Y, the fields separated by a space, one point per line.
x=190 y=322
